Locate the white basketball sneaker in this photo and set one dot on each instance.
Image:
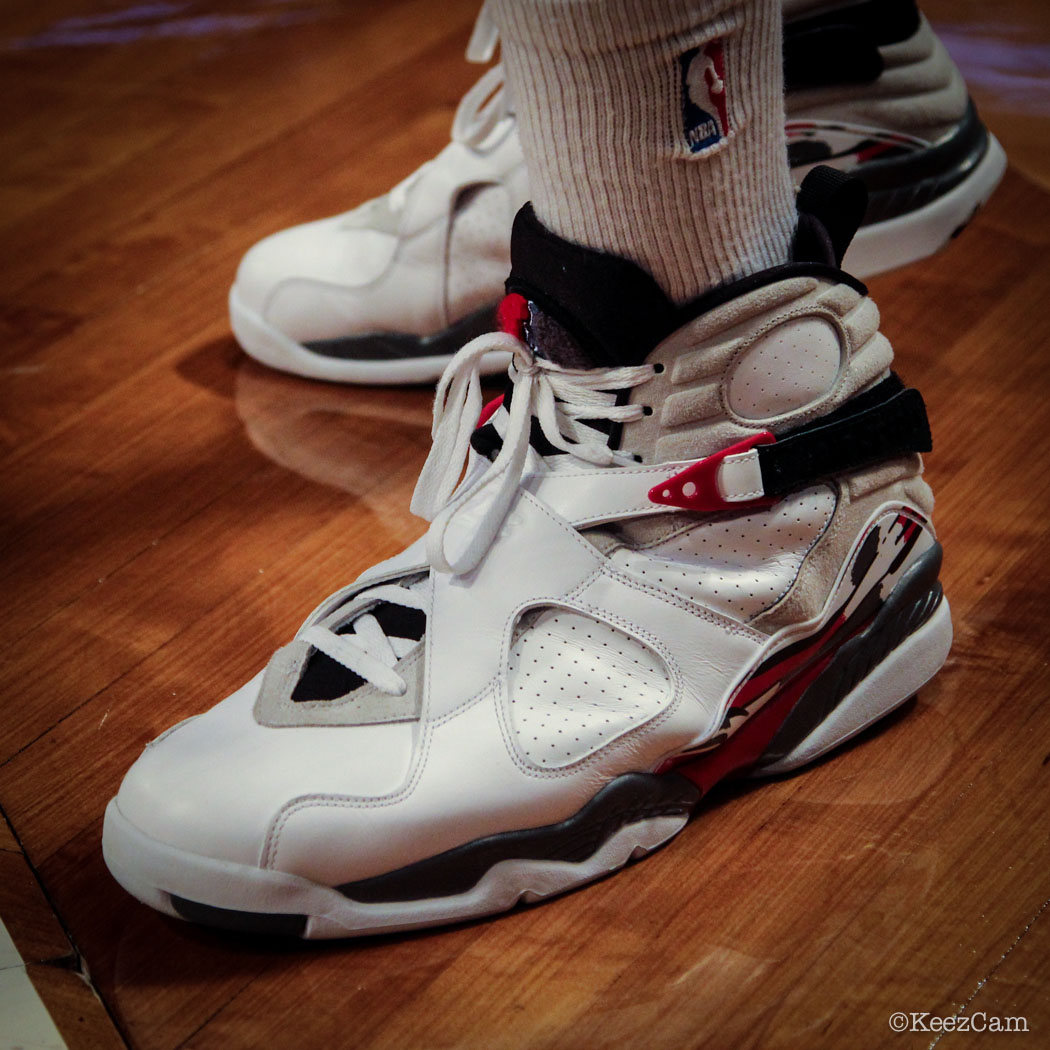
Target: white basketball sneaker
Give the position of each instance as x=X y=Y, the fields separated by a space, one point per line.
x=690 y=542
x=386 y=292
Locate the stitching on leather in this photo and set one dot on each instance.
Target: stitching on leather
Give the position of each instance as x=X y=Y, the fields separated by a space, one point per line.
x=829 y=519
x=729 y=625
x=428 y=726
x=824 y=401
x=630 y=628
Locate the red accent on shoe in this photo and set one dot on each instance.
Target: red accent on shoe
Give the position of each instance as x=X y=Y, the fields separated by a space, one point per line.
x=512 y=314
x=745 y=747
x=785 y=669
x=874 y=151
x=489 y=410
x=696 y=487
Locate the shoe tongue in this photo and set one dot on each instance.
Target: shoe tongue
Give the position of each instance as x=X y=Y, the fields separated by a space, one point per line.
x=831 y=206
x=578 y=307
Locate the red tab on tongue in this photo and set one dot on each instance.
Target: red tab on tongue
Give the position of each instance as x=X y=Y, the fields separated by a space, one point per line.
x=512 y=314
x=546 y=337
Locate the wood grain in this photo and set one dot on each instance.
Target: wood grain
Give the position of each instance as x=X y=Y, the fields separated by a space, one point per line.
x=52 y=963
x=172 y=510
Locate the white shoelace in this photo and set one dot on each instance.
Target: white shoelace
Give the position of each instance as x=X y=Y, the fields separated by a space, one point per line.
x=465 y=522
x=367 y=650
x=466 y=516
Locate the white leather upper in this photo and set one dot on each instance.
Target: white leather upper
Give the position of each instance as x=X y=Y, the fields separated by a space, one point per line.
x=214 y=785
x=414 y=266
x=739 y=565
x=575 y=683
x=563 y=654
x=224 y=786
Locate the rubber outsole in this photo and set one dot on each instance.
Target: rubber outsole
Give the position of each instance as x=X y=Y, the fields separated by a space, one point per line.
x=252 y=899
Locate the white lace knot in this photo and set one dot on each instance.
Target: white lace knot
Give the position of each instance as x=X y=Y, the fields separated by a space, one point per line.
x=465 y=517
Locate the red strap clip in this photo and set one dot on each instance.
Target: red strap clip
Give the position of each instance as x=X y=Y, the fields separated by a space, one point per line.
x=696 y=487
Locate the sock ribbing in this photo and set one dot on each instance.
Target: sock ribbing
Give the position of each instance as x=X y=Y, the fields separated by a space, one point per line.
x=609 y=136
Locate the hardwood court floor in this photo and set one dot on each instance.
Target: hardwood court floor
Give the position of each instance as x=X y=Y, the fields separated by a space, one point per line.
x=173 y=510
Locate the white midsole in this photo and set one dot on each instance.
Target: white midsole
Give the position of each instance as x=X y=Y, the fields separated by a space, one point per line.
x=907 y=238
x=152 y=871
x=272 y=347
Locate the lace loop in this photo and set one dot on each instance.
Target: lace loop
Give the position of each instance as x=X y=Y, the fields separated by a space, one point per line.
x=465 y=522
x=484 y=37
x=480 y=110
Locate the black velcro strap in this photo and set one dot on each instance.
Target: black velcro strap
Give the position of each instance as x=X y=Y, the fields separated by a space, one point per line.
x=887 y=422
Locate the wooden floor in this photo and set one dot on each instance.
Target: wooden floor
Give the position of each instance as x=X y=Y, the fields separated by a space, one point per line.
x=171 y=511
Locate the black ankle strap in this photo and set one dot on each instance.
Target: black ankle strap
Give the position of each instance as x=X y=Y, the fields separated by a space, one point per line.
x=881 y=424
x=887 y=422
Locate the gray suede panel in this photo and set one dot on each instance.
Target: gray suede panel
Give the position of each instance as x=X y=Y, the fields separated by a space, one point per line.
x=695 y=417
x=859 y=497
x=367 y=705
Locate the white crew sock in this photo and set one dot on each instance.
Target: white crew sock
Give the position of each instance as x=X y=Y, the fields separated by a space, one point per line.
x=654 y=129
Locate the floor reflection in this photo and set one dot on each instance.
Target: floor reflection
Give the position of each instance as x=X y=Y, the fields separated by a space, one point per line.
x=1004 y=62
x=167 y=20
x=341 y=436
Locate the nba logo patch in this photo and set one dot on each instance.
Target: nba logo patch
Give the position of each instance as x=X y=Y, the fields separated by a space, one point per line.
x=705 y=110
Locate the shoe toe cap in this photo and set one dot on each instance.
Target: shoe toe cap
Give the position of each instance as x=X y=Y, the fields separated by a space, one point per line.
x=296 y=277
x=216 y=784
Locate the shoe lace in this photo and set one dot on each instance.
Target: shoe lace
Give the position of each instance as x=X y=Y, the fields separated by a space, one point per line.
x=366 y=649
x=465 y=520
x=466 y=516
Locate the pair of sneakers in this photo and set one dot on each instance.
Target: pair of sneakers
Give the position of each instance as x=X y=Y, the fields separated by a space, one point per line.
x=674 y=557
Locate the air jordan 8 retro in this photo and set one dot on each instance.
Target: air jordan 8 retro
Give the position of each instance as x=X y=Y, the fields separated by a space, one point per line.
x=690 y=542
x=386 y=292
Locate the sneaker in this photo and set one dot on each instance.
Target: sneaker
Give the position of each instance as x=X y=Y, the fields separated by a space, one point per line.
x=680 y=552
x=385 y=293
x=870 y=90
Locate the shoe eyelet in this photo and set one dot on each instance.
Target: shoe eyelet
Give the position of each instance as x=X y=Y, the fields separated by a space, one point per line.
x=647 y=410
x=658 y=368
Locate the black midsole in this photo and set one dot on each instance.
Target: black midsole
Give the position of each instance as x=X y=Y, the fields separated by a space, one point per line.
x=400 y=346
x=899 y=185
x=628 y=799
x=268 y=924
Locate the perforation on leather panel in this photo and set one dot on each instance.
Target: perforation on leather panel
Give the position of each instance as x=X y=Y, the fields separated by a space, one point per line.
x=575 y=684
x=739 y=565
x=791 y=366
